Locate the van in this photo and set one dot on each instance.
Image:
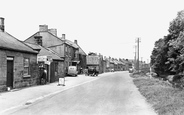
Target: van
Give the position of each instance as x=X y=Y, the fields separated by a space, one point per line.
x=72 y=70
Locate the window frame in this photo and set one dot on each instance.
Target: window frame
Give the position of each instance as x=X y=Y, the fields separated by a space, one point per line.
x=26 y=65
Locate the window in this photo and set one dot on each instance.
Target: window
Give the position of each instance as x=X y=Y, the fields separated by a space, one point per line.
x=26 y=67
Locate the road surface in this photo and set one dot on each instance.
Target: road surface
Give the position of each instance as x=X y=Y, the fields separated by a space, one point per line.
x=113 y=94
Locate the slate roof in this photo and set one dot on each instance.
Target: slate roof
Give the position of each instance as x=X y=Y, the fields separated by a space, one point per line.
x=45 y=51
x=34 y=46
x=76 y=46
x=81 y=51
x=9 y=42
x=70 y=43
x=66 y=41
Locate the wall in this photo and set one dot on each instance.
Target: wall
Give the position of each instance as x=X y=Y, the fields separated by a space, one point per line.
x=58 y=72
x=104 y=66
x=3 y=68
x=58 y=49
x=19 y=79
x=82 y=59
x=47 y=39
x=61 y=69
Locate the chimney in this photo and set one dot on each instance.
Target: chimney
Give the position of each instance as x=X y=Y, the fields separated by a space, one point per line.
x=2 y=24
x=53 y=31
x=75 y=41
x=63 y=36
x=43 y=28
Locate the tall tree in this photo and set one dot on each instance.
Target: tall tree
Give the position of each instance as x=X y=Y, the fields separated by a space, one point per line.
x=168 y=54
x=176 y=49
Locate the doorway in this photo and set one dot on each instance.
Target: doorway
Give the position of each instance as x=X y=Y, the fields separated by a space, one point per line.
x=9 y=82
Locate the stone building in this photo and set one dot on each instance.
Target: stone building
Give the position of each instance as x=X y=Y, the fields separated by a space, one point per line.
x=18 y=62
x=82 y=56
x=65 y=49
x=51 y=61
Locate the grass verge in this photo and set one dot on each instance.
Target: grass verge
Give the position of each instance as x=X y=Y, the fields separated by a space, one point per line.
x=165 y=99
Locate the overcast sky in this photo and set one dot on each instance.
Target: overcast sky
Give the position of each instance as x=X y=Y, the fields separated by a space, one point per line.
x=109 y=27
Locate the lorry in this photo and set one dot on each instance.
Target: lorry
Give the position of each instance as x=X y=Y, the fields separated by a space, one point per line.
x=93 y=64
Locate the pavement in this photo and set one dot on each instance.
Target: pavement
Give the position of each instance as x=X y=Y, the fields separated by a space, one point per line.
x=16 y=98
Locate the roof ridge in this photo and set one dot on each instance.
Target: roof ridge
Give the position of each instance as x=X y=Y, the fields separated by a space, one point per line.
x=33 y=51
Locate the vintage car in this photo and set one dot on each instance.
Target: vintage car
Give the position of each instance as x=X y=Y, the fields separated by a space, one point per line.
x=130 y=70
x=93 y=71
x=72 y=70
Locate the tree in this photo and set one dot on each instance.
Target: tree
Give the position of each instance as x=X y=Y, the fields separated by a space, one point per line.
x=176 y=49
x=159 y=57
x=168 y=54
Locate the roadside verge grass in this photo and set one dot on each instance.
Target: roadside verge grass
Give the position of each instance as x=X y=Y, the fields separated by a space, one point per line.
x=165 y=99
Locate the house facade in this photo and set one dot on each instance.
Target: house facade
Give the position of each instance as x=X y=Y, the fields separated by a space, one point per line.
x=49 y=60
x=18 y=62
x=82 y=57
x=65 y=49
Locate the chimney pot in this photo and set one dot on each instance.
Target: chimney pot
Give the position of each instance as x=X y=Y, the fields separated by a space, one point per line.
x=63 y=36
x=43 y=28
x=53 y=31
x=2 y=24
x=75 y=41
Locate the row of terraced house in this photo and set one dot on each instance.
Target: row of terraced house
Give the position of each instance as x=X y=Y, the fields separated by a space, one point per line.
x=20 y=61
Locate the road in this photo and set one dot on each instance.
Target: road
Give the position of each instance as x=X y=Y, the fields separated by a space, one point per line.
x=113 y=94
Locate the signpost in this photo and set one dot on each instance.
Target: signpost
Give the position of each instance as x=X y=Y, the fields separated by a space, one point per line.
x=61 y=81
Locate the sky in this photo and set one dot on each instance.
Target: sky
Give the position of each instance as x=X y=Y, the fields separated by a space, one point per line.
x=108 y=27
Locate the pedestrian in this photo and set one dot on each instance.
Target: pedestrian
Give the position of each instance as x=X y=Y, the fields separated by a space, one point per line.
x=86 y=71
x=45 y=76
x=81 y=72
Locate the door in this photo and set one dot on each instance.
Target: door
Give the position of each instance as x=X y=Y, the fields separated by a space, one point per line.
x=9 y=82
x=52 y=72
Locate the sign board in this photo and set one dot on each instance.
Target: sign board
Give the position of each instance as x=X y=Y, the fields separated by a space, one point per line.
x=92 y=60
x=61 y=81
x=44 y=58
x=47 y=62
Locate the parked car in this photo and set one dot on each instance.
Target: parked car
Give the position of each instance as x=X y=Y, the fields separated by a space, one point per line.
x=72 y=70
x=130 y=70
x=112 y=70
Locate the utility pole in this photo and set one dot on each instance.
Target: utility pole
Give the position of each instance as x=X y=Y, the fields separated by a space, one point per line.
x=138 y=40
x=135 y=58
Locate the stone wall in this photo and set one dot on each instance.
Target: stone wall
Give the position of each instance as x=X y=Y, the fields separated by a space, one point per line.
x=61 y=72
x=19 y=80
x=3 y=72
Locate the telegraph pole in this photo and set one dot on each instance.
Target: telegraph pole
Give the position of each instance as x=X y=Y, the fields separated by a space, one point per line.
x=138 y=40
x=135 y=59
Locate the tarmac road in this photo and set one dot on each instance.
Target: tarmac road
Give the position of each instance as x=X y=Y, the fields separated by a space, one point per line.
x=113 y=94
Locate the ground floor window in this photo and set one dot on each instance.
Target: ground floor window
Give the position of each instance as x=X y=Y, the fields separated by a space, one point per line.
x=26 y=67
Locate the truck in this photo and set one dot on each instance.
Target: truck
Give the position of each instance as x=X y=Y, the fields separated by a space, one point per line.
x=93 y=64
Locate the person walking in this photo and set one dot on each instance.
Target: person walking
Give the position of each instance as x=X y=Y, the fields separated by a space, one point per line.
x=43 y=76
